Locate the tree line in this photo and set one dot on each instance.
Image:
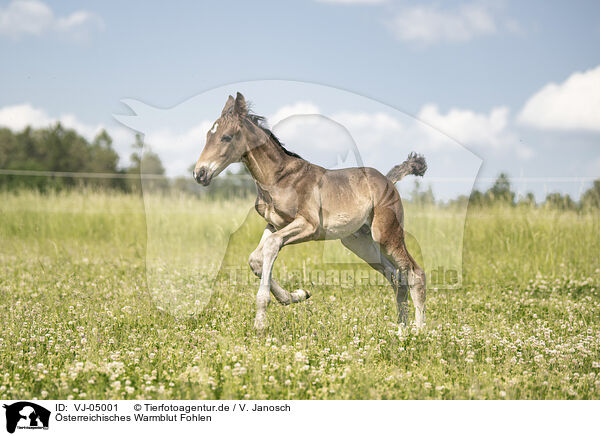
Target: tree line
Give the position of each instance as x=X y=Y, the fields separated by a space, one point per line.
x=57 y=149
x=63 y=150
x=501 y=193
x=60 y=149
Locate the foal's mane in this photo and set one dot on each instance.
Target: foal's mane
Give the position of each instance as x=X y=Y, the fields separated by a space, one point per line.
x=260 y=122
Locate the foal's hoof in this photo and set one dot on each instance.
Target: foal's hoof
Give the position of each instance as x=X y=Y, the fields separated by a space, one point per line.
x=300 y=295
x=306 y=294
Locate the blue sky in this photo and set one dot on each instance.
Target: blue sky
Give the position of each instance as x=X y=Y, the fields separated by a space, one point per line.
x=480 y=71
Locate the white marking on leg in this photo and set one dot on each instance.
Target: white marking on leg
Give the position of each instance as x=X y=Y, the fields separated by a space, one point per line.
x=256 y=261
x=271 y=246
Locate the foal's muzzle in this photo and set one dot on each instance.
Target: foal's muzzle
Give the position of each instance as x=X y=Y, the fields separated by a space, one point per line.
x=201 y=176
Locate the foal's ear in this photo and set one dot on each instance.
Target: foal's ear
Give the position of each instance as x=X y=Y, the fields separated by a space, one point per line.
x=228 y=105
x=240 y=105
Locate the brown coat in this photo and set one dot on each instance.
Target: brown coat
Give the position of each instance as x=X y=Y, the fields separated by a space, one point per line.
x=301 y=201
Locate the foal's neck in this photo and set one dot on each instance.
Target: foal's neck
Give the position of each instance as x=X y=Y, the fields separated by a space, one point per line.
x=266 y=160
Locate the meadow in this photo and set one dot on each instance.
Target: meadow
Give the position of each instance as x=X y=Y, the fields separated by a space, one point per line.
x=83 y=317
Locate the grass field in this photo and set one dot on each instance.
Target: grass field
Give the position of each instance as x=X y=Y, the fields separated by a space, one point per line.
x=82 y=319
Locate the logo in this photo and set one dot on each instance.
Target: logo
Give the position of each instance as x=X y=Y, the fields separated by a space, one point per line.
x=26 y=415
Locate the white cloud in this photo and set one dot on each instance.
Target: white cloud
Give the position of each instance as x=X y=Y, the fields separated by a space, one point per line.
x=571 y=105
x=430 y=24
x=35 y=18
x=316 y=138
x=20 y=116
x=299 y=108
x=377 y=133
x=477 y=130
x=188 y=144
x=469 y=127
x=371 y=130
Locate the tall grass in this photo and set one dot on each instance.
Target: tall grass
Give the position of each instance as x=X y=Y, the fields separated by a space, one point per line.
x=87 y=311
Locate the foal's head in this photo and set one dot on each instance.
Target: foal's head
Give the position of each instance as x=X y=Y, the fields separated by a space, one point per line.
x=225 y=141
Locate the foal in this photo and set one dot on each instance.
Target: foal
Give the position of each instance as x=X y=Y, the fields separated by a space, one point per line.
x=302 y=202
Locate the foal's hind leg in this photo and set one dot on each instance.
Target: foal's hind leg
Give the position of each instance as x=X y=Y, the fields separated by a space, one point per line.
x=361 y=243
x=256 y=263
x=387 y=230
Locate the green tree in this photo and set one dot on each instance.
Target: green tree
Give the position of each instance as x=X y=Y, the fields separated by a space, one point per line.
x=55 y=149
x=144 y=160
x=501 y=191
x=528 y=200
x=477 y=198
x=556 y=200
x=591 y=198
x=146 y=163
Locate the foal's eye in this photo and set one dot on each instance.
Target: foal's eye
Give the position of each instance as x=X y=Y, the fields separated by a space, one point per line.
x=226 y=138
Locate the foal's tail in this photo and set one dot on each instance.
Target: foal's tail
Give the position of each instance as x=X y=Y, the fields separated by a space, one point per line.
x=415 y=164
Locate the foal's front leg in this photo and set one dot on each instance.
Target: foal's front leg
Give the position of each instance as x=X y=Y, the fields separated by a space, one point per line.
x=297 y=231
x=256 y=265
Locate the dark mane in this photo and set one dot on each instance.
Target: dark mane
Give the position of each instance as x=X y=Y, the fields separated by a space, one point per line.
x=259 y=122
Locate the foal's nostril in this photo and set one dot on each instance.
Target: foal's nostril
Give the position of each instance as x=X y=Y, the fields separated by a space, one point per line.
x=200 y=175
